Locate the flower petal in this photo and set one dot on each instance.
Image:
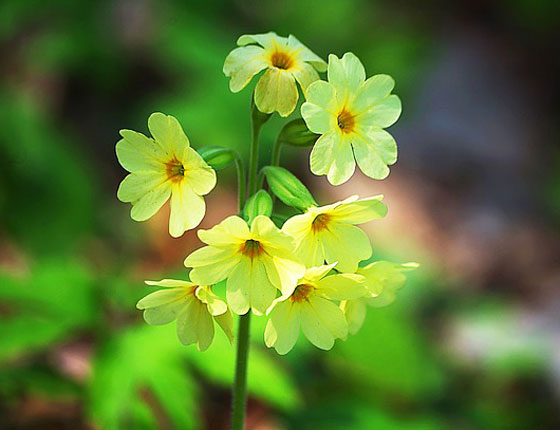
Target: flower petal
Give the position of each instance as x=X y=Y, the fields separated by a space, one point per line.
x=161 y=297
x=314 y=274
x=215 y=305
x=305 y=75
x=137 y=152
x=200 y=177
x=225 y=321
x=307 y=55
x=322 y=155
x=360 y=211
x=282 y=329
x=231 y=231
x=248 y=286
x=342 y=286
x=167 y=131
x=343 y=165
x=147 y=205
x=383 y=114
x=369 y=160
x=373 y=91
x=276 y=91
x=211 y=265
x=242 y=64
x=346 y=244
x=346 y=74
x=319 y=111
x=170 y=283
x=187 y=209
x=136 y=185
x=355 y=313
x=268 y=40
x=322 y=321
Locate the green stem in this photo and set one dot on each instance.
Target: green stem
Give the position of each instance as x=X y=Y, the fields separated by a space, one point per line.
x=275 y=159
x=240 y=383
x=239 y=399
x=240 y=183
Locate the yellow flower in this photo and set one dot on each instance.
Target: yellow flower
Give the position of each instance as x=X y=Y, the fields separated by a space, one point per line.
x=382 y=279
x=310 y=307
x=350 y=113
x=160 y=167
x=328 y=233
x=286 y=61
x=256 y=262
x=194 y=306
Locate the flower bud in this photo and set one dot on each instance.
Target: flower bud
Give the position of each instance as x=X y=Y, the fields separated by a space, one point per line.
x=217 y=157
x=288 y=188
x=296 y=133
x=259 y=203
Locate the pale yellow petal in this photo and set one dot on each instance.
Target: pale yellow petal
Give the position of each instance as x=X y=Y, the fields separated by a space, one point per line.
x=215 y=305
x=343 y=164
x=198 y=175
x=248 y=286
x=187 y=209
x=372 y=91
x=282 y=329
x=147 y=205
x=242 y=64
x=161 y=297
x=355 y=313
x=138 y=153
x=267 y=40
x=323 y=153
x=346 y=74
x=384 y=114
x=231 y=231
x=225 y=321
x=320 y=109
x=276 y=91
x=360 y=211
x=305 y=75
x=314 y=274
x=346 y=244
x=342 y=286
x=137 y=185
x=170 y=283
x=322 y=322
x=306 y=54
x=211 y=265
x=167 y=131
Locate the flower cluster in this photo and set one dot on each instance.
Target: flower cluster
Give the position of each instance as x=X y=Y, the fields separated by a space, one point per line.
x=308 y=272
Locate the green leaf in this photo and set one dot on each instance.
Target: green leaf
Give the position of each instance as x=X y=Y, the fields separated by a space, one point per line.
x=140 y=381
x=259 y=203
x=288 y=188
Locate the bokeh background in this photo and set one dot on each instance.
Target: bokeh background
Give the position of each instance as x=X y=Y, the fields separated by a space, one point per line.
x=473 y=341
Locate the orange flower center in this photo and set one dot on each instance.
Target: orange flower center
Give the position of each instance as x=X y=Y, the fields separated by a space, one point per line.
x=281 y=60
x=301 y=293
x=175 y=170
x=321 y=222
x=251 y=248
x=346 y=121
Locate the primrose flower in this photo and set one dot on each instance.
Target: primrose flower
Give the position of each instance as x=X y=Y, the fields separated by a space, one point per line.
x=160 y=167
x=328 y=233
x=382 y=279
x=256 y=262
x=350 y=113
x=194 y=306
x=310 y=307
x=287 y=60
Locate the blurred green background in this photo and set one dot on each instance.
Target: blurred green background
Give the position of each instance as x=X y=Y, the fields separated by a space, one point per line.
x=473 y=341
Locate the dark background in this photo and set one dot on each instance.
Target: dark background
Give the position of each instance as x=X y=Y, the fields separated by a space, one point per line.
x=473 y=341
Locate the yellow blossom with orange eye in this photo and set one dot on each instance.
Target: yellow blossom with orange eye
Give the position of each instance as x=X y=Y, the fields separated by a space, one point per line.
x=286 y=61
x=350 y=113
x=310 y=308
x=162 y=167
x=194 y=307
x=257 y=262
x=329 y=233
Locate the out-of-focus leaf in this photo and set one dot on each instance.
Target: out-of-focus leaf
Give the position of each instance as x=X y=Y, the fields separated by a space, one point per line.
x=140 y=380
x=268 y=379
x=53 y=301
